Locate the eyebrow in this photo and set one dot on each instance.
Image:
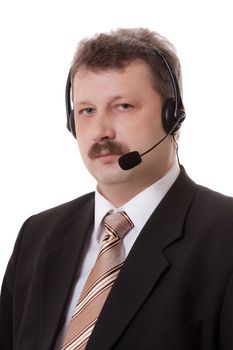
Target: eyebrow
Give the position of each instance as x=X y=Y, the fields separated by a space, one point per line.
x=83 y=103
x=112 y=98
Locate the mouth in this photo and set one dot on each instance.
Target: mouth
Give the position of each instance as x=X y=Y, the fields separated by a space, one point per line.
x=107 y=157
x=107 y=154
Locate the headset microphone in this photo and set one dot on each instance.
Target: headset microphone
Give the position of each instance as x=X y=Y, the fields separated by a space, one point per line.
x=131 y=159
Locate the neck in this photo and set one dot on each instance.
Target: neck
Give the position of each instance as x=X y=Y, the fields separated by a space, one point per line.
x=120 y=193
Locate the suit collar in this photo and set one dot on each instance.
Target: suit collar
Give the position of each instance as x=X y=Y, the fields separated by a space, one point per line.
x=145 y=265
x=60 y=262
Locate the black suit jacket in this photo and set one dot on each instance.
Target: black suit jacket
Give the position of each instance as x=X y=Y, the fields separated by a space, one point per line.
x=175 y=290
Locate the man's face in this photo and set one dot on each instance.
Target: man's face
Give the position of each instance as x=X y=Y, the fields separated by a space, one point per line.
x=117 y=111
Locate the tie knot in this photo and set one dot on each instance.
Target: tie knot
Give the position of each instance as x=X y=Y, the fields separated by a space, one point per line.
x=118 y=223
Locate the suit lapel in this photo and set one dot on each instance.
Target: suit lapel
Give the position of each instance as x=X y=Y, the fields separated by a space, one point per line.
x=59 y=271
x=145 y=265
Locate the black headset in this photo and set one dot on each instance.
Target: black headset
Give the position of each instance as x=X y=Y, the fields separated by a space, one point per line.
x=173 y=113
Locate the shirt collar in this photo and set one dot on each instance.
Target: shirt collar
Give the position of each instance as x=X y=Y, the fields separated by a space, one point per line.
x=148 y=199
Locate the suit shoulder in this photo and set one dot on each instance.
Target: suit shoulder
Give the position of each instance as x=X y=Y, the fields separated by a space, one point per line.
x=39 y=227
x=62 y=212
x=212 y=206
x=212 y=197
x=68 y=206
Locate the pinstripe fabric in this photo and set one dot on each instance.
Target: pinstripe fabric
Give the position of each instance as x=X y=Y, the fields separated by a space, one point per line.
x=99 y=282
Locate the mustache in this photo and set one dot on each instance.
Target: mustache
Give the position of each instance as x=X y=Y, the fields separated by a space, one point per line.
x=107 y=146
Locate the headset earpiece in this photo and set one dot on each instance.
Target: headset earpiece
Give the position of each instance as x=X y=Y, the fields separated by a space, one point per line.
x=71 y=123
x=168 y=113
x=69 y=109
x=169 y=118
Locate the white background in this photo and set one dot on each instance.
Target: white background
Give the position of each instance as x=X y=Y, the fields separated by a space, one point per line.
x=40 y=163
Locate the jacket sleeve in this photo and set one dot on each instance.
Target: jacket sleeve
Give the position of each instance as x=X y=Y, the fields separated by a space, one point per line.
x=7 y=327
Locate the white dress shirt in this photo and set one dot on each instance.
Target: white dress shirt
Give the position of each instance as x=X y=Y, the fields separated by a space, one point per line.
x=139 y=209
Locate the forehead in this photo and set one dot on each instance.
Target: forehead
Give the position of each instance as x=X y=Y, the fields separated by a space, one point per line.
x=133 y=76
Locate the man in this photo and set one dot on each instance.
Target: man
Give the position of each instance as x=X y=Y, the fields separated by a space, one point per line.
x=170 y=284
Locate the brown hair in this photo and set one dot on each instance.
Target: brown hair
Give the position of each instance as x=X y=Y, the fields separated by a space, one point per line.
x=117 y=49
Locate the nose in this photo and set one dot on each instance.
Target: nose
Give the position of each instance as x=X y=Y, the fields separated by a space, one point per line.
x=103 y=129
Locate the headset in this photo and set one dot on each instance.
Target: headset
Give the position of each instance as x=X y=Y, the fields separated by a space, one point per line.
x=173 y=113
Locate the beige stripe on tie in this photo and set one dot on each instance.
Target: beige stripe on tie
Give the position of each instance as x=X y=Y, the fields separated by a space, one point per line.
x=99 y=282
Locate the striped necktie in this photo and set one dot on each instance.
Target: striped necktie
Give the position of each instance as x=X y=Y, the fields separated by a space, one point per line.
x=99 y=282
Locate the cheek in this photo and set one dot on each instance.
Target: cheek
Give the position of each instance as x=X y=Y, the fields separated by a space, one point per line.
x=145 y=135
x=146 y=128
x=82 y=143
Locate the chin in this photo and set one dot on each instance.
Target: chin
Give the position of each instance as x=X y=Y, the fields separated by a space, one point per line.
x=113 y=176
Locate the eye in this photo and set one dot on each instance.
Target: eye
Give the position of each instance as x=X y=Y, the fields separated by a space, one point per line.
x=125 y=106
x=87 y=111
